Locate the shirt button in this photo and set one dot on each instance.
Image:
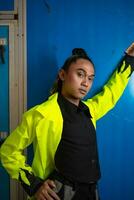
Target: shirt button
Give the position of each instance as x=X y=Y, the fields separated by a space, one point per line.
x=93 y=161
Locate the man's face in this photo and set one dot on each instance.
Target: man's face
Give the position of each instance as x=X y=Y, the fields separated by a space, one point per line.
x=77 y=80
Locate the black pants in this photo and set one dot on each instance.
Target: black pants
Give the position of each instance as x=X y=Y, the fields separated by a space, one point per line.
x=68 y=190
x=85 y=192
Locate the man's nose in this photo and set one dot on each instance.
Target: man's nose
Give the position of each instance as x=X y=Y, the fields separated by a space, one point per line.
x=85 y=81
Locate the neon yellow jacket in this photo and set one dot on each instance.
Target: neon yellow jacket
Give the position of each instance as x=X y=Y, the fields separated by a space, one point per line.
x=42 y=125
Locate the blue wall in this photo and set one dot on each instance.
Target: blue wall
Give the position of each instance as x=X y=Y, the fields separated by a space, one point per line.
x=104 y=28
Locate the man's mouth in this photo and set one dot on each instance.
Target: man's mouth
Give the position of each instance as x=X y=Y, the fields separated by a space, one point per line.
x=82 y=91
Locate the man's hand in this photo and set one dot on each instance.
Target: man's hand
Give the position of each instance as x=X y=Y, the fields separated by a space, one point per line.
x=46 y=192
x=130 y=50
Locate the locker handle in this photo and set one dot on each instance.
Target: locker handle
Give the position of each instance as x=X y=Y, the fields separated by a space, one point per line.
x=2 y=50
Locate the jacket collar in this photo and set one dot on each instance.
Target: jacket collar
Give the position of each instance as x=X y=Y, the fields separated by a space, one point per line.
x=49 y=107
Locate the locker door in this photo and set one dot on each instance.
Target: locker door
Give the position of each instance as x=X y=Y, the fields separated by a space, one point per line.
x=4 y=103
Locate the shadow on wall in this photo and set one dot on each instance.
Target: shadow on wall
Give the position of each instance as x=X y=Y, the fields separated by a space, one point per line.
x=1 y=142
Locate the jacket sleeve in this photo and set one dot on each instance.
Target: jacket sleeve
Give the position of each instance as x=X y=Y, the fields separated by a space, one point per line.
x=104 y=101
x=13 y=158
x=35 y=183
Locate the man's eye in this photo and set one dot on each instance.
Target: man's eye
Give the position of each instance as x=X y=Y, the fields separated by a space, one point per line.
x=90 y=78
x=80 y=74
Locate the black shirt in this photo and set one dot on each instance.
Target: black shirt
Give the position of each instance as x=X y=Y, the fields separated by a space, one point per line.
x=76 y=156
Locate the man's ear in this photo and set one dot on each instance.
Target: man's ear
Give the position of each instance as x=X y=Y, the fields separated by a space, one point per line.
x=62 y=74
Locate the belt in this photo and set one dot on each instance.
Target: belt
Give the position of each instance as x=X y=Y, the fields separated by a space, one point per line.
x=58 y=176
x=55 y=175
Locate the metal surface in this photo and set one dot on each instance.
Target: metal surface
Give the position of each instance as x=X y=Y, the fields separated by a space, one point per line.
x=105 y=30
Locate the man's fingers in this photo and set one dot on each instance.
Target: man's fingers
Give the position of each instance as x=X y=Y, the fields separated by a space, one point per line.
x=130 y=50
x=51 y=183
x=46 y=191
x=52 y=193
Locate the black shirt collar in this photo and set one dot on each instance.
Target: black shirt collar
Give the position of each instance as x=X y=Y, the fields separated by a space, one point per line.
x=72 y=107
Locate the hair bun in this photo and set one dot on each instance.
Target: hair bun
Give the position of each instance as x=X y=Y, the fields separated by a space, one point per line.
x=79 y=52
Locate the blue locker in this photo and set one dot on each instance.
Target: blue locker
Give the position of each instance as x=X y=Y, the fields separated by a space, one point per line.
x=4 y=104
x=6 y=5
x=4 y=82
